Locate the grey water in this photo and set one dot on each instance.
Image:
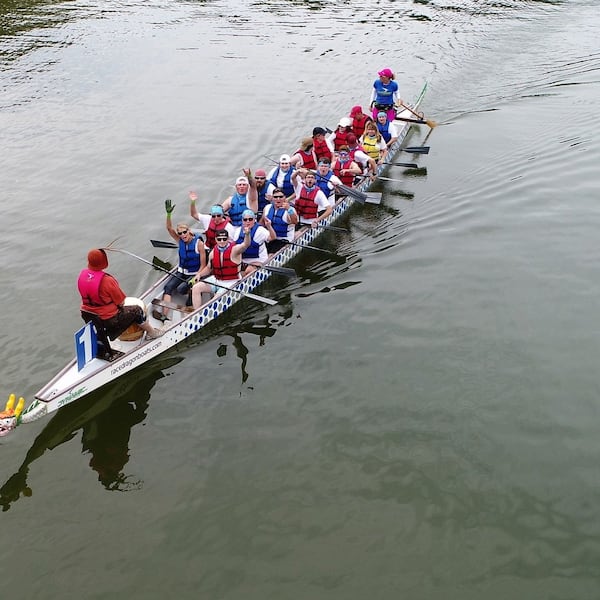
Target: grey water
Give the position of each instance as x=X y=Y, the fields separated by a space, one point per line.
x=416 y=418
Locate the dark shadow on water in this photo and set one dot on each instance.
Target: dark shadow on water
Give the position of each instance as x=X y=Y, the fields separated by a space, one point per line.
x=105 y=419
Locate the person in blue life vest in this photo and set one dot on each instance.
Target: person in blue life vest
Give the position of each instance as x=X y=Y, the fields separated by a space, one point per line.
x=256 y=253
x=283 y=219
x=264 y=189
x=385 y=94
x=223 y=267
x=245 y=196
x=327 y=180
x=387 y=129
x=311 y=204
x=281 y=176
x=192 y=258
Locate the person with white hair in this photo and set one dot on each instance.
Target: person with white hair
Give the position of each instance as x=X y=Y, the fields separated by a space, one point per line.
x=245 y=196
x=338 y=137
x=281 y=176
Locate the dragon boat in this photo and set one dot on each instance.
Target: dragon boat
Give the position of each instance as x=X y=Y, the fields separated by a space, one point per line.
x=89 y=370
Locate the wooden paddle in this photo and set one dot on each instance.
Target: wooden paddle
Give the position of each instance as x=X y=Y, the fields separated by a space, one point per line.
x=428 y=122
x=280 y=270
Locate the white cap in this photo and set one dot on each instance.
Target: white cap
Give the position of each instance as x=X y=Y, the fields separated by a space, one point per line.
x=241 y=180
x=346 y=122
x=284 y=158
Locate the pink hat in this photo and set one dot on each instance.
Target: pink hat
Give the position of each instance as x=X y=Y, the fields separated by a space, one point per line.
x=260 y=173
x=386 y=73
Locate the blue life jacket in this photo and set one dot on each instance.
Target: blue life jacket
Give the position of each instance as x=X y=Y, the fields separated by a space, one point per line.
x=238 y=206
x=287 y=188
x=189 y=259
x=252 y=250
x=277 y=222
x=384 y=130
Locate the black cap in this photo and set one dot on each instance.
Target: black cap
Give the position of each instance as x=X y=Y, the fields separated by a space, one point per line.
x=318 y=130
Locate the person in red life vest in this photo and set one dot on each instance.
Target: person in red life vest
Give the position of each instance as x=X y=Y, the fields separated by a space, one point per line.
x=305 y=155
x=283 y=219
x=385 y=95
x=359 y=120
x=338 y=137
x=102 y=295
x=327 y=180
x=256 y=254
x=192 y=258
x=311 y=204
x=223 y=267
x=344 y=167
x=211 y=223
x=388 y=129
x=373 y=143
x=321 y=146
x=245 y=196
x=367 y=165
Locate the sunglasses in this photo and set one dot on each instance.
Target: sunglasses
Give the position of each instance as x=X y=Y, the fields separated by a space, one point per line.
x=261 y=178
x=279 y=196
x=182 y=232
x=248 y=219
x=221 y=238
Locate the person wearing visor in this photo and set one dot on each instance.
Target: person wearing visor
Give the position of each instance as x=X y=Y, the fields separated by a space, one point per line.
x=192 y=258
x=211 y=223
x=387 y=129
x=245 y=196
x=223 y=267
x=385 y=95
x=256 y=253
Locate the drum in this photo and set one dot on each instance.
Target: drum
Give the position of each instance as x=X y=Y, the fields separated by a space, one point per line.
x=134 y=331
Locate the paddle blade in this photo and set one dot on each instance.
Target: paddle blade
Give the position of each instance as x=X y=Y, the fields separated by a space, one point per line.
x=417 y=149
x=159 y=244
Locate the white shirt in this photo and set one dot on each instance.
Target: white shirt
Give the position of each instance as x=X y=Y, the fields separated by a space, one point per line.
x=269 y=210
x=320 y=200
x=261 y=236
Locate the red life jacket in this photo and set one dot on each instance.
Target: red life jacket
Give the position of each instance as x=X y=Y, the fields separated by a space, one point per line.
x=341 y=138
x=223 y=267
x=359 y=123
x=308 y=161
x=321 y=149
x=305 y=205
x=88 y=284
x=348 y=177
x=212 y=230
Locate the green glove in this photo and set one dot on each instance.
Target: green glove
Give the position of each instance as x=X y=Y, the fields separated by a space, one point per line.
x=192 y=282
x=169 y=206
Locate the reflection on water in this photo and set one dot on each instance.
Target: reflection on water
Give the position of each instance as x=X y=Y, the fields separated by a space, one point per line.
x=105 y=419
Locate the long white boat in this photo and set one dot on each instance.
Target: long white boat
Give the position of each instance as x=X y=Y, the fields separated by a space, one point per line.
x=76 y=380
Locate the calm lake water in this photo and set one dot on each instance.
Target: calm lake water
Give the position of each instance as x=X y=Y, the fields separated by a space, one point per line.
x=419 y=418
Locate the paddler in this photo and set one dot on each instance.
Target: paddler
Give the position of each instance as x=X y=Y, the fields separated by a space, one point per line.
x=223 y=267
x=385 y=95
x=245 y=196
x=211 y=223
x=311 y=204
x=102 y=295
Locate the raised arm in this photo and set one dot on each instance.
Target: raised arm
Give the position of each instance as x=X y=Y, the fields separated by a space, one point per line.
x=252 y=198
x=193 y=210
x=169 y=208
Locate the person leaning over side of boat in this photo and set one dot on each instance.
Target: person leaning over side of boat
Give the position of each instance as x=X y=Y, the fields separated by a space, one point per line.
x=305 y=155
x=338 y=137
x=256 y=253
x=102 y=295
x=327 y=180
x=344 y=167
x=385 y=94
x=311 y=204
x=215 y=221
x=281 y=176
x=387 y=129
x=192 y=258
x=359 y=120
x=283 y=218
x=373 y=143
x=245 y=196
x=321 y=146
x=223 y=267
x=360 y=157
